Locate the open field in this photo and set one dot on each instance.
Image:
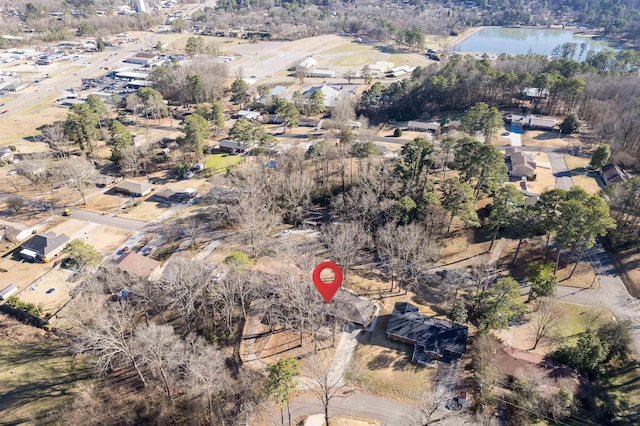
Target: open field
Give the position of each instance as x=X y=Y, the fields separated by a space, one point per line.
x=37 y=373
x=548 y=139
x=384 y=366
x=21 y=273
x=36 y=115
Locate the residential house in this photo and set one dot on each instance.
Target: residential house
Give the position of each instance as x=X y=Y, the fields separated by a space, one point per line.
x=247 y=115
x=13 y=232
x=519 y=163
x=138 y=265
x=329 y=93
x=229 y=145
x=379 y=68
x=421 y=126
x=353 y=308
x=103 y=180
x=42 y=246
x=400 y=71
x=433 y=338
x=134 y=188
x=168 y=195
x=612 y=173
x=535 y=92
x=322 y=73
x=5 y=154
x=530 y=122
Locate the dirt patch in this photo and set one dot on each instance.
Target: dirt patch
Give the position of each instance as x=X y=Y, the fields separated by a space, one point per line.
x=51 y=291
x=105 y=203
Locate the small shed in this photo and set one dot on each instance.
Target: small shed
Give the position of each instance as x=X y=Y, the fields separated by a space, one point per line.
x=8 y=291
x=612 y=173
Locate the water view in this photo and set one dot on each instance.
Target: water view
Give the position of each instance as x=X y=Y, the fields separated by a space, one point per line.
x=520 y=41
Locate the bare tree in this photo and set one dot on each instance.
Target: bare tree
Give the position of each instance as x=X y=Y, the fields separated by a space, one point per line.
x=39 y=173
x=344 y=241
x=487 y=375
x=255 y=213
x=407 y=250
x=155 y=345
x=343 y=114
x=55 y=136
x=546 y=319
x=105 y=330
x=134 y=104
x=429 y=408
x=328 y=384
x=182 y=285
x=77 y=173
x=203 y=375
x=16 y=203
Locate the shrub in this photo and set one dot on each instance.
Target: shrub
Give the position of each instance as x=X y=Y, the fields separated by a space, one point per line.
x=397 y=132
x=13 y=148
x=237 y=258
x=16 y=303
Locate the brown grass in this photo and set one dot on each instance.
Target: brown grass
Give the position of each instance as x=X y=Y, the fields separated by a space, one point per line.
x=587 y=183
x=385 y=366
x=37 y=373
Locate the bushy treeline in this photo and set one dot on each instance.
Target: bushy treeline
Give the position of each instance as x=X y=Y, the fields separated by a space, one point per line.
x=603 y=86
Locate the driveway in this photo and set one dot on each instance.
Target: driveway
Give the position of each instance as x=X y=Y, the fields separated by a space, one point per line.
x=358 y=404
x=560 y=171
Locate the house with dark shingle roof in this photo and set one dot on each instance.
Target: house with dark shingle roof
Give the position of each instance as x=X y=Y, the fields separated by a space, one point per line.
x=433 y=338
x=42 y=246
x=353 y=308
x=612 y=173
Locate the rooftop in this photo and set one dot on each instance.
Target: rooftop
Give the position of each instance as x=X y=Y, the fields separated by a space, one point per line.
x=136 y=264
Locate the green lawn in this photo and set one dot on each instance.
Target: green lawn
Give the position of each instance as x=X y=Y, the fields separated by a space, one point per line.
x=578 y=318
x=217 y=163
x=574 y=162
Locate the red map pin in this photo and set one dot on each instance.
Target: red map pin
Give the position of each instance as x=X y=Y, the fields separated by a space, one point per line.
x=327 y=290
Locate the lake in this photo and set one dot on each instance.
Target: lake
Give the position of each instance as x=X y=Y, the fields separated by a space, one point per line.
x=520 y=41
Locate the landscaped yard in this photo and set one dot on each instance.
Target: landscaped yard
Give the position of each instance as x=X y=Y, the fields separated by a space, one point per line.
x=217 y=163
x=37 y=373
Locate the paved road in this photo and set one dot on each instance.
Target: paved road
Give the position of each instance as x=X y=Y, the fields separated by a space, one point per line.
x=108 y=220
x=358 y=404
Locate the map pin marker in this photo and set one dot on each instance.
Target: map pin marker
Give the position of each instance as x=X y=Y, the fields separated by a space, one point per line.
x=327 y=290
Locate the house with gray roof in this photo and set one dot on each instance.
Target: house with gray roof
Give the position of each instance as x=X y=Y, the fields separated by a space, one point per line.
x=42 y=246
x=433 y=338
x=134 y=188
x=520 y=164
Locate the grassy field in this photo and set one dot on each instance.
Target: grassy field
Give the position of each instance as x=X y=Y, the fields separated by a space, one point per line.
x=218 y=163
x=37 y=373
x=587 y=183
x=620 y=393
x=574 y=162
